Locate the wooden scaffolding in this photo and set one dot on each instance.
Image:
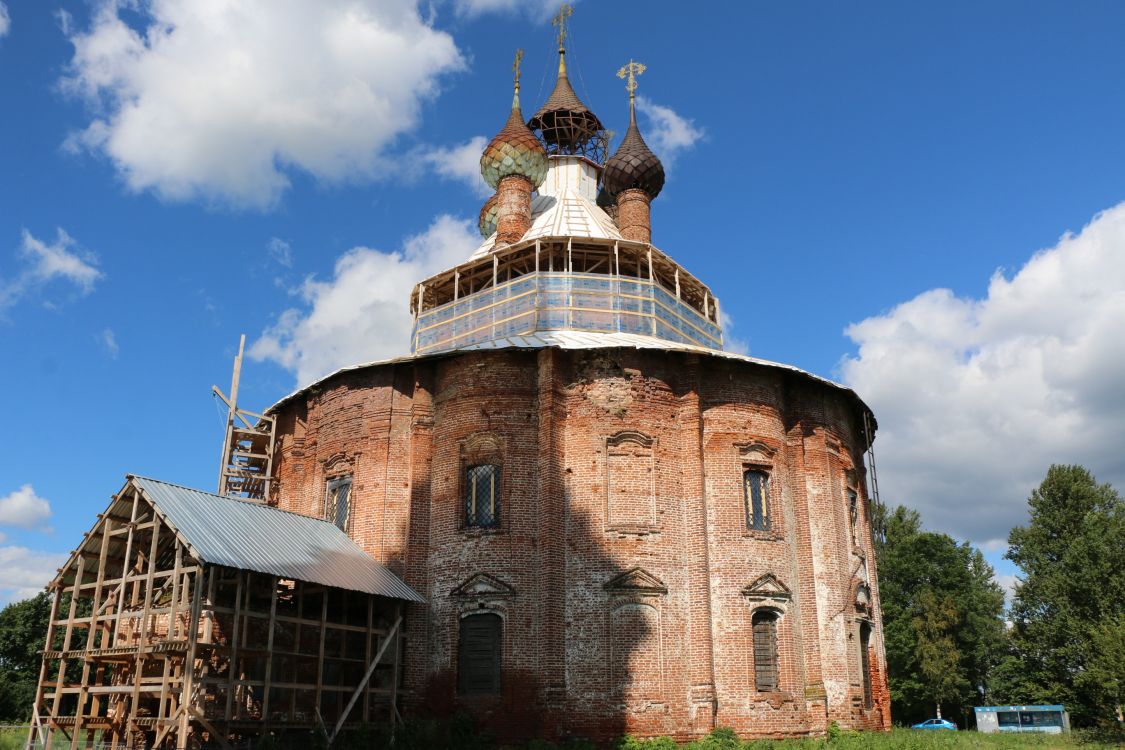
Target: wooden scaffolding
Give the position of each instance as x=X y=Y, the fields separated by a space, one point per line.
x=246 y=465
x=151 y=646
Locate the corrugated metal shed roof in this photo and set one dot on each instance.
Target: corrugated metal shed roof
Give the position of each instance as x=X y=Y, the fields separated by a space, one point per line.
x=252 y=536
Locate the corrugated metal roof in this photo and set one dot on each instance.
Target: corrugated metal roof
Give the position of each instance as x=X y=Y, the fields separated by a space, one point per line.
x=253 y=536
x=580 y=340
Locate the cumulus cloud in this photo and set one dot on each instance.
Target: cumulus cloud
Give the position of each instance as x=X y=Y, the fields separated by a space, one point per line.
x=45 y=262
x=977 y=397
x=362 y=313
x=25 y=509
x=458 y=163
x=222 y=100
x=5 y=20
x=25 y=572
x=668 y=133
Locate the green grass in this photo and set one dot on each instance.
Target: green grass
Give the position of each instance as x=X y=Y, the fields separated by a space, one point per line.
x=12 y=739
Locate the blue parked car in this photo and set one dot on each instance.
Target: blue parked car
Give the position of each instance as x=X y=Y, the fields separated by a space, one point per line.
x=936 y=724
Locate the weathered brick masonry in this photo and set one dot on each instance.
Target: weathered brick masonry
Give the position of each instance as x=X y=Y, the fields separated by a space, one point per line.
x=623 y=567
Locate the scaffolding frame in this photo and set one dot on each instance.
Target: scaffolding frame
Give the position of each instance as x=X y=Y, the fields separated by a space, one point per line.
x=246 y=466
x=148 y=646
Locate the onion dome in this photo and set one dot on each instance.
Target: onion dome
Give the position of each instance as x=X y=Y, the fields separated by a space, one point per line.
x=487 y=220
x=514 y=151
x=565 y=124
x=633 y=165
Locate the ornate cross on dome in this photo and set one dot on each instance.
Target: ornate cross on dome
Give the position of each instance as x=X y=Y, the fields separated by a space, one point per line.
x=629 y=73
x=565 y=12
x=516 y=67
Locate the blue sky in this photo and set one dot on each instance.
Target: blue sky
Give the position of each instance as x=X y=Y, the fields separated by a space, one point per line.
x=849 y=179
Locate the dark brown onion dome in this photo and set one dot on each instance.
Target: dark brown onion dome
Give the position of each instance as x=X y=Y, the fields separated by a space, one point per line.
x=566 y=125
x=633 y=165
x=487 y=220
x=514 y=151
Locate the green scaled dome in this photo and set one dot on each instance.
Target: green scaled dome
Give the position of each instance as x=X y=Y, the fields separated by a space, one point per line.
x=514 y=151
x=487 y=220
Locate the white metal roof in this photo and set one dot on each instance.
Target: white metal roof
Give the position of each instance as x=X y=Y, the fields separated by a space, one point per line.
x=565 y=339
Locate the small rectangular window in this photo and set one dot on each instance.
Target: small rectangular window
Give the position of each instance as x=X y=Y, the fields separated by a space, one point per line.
x=482 y=496
x=755 y=485
x=853 y=511
x=337 y=500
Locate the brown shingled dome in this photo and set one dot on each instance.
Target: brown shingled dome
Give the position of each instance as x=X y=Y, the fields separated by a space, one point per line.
x=633 y=165
x=514 y=151
x=487 y=220
x=564 y=122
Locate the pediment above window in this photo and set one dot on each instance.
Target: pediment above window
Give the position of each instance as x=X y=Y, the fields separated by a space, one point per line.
x=767 y=588
x=755 y=450
x=483 y=586
x=636 y=581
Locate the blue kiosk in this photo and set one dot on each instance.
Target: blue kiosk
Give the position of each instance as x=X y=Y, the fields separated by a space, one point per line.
x=1049 y=719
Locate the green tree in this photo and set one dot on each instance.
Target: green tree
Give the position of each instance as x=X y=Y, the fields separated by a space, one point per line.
x=942 y=618
x=1071 y=597
x=23 y=626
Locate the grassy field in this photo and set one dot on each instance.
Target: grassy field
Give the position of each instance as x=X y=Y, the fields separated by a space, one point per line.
x=900 y=739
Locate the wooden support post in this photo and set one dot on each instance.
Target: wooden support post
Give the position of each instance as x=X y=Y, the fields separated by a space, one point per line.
x=36 y=720
x=320 y=653
x=677 y=283
x=390 y=637
x=616 y=260
x=394 y=670
x=187 y=686
x=495 y=270
x=456 y=285
x=81 y=566
x=143 y=628
x=275 y=582
x=536 y=255
x=126 y=568
x=232 y=669
x=569 y=255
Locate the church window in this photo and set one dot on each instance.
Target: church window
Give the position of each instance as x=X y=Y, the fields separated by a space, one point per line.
x=478 y=654
x=765 y=652
x=482 y=496
x=755 y=486
x=337 y=501
x=865 y=662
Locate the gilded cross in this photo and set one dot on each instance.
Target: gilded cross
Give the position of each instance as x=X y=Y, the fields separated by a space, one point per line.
x=565 y=12
x=516 y=67
x=629 y=73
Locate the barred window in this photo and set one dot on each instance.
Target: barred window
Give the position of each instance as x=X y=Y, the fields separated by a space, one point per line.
x=755 y=486
x=482 y=496
x=337 y=501
x=865 y=662
x=765 y=652
x=478 y=654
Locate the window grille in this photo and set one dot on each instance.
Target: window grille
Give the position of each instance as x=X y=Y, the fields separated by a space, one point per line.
x=337 y=502
x=765 y=652
x=478 y=654
x=853 y=510
x=755 y=485
x=482 y=496
x=865 y=662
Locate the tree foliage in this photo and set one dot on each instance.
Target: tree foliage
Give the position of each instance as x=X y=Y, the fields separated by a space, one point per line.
x=23 y=627
x=942 y=619
x=1068 y=610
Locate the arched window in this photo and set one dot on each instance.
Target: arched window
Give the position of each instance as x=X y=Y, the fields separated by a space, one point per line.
x=478 y=654
x=482 y=496
x=765 y=652
x=755 y=485
x=865 y=661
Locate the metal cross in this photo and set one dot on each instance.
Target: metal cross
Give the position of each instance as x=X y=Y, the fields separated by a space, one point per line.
x=629 y=73
x=516 y=67
x=565 y=12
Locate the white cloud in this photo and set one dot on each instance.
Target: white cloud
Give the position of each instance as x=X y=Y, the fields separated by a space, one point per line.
x=25 y=572
x=223 y=100
x=44 y=263
x=1008 y=583
x=280 y=251
x=25 y=509
x=458 y=163
x=731 y=342
x=977 y=397
x=362 y=313
x=108 y=341
x=668 y=133
x=5 y=20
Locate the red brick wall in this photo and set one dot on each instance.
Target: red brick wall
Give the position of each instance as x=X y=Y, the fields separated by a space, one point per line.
x=622 y=566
